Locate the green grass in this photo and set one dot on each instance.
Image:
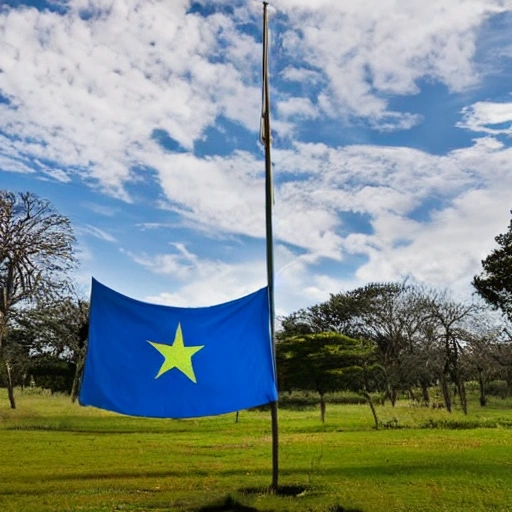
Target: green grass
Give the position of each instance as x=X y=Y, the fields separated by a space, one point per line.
x=57 y=456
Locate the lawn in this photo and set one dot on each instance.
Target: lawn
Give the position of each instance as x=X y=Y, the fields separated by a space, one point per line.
x=57 y=456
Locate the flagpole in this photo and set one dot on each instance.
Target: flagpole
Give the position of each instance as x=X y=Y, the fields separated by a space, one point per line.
x=266 y=138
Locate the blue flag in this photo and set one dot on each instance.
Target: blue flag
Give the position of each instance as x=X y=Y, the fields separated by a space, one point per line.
x=168 y=362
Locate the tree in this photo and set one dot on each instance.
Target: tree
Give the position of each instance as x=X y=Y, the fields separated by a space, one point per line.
x=481 y=357
x=495 y=283
x=341 y=314
x=449 y=325
x=388 y=314
x=36 y=251
x=58 y=330
x=323 y=363
x=16 y=350
x=421 y=336
x=391 y=317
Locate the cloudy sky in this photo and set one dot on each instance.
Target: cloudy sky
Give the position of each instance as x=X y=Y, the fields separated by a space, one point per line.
x=392 y=126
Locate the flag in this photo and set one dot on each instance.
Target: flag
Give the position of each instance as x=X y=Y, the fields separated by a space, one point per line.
x=169 y=362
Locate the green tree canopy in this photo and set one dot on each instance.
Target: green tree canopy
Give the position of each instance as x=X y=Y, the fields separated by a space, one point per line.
x=494 y=284
x=323 y=362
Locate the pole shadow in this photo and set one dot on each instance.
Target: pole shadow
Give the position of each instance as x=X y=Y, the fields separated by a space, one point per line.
x=225 y=505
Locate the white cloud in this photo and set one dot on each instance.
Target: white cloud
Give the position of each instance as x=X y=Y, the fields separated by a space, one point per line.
x=182 y=264
x=392 y=121
x=483 y=115
x=300 y=281
x=445 y=248
x=387 y=184
x=297 y=107
x=14 y=165
x=464 y=195
x=56 y=174
x=87 y=94
x=368 y=50
x=301 y=75
x=446 y=252
x=226 y=193
x=96 y=232
x=205 y=282
x=154 y=225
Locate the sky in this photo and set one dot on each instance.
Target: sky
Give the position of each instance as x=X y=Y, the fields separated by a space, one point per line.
x=139 y=120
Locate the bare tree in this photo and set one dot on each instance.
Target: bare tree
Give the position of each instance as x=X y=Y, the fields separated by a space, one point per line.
x=450 y=325
x=36 y=251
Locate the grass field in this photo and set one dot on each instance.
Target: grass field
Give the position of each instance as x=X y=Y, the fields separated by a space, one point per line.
x=57 y=456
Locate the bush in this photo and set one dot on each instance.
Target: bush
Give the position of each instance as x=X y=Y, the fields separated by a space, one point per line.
x=498 y=388
x=53 y=374
x=465 y=424
x=303 y=399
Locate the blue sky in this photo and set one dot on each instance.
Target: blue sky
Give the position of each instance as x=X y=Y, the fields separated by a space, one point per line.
x=392 y=125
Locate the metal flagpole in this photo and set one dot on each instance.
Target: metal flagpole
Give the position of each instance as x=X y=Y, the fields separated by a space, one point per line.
x=266 y=139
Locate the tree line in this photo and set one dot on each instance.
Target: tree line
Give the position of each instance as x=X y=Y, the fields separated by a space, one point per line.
x=403 y=338
x=395 y=338
x=390 y=338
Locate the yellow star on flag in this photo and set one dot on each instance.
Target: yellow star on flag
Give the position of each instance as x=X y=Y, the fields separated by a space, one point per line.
x=177 y=356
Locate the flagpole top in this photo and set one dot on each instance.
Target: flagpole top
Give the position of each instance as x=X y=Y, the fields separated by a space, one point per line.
x=271 y=8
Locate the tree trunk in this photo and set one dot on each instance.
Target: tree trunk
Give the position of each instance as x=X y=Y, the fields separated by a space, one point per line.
x=10 y=384
x=462 y=395
x=372 y=407
x=446 y=393
x=425 y=394
x=393 y=396
x=75 y=389
x=3 y=361
x=481 y=385
x=322 y=408
x=508 y=380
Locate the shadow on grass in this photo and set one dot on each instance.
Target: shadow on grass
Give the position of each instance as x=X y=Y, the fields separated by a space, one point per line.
x=387 y=469
x=227 y=504
x=282 y=490
x=91 y=431
x=230 y=505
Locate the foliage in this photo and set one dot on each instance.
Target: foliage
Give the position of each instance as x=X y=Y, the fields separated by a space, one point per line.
x=419 y=335
x=389 y=315
x=16 y=349
x=36 y=251
x=58 y=331
x=495 y=283
x=448 y=321
x=52 y=373
x=323 y=362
